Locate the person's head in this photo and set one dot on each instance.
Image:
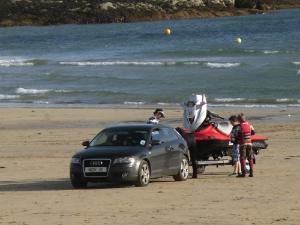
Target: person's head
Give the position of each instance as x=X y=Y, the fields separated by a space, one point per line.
x=241 y=117
x=159 y=113
x=233 y=120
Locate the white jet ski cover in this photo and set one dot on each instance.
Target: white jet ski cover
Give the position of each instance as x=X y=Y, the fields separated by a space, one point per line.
x=195 y=112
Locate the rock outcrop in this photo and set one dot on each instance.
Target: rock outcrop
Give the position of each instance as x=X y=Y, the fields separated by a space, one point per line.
x=45 y=12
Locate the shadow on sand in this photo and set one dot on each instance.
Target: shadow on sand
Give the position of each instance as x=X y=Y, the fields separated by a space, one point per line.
x=53 y=185
x=64 y=184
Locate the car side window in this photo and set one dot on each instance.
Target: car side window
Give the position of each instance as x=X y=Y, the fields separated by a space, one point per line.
x=155 y=135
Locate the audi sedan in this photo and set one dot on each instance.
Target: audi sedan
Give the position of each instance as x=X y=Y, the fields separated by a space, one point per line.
x=132 y=152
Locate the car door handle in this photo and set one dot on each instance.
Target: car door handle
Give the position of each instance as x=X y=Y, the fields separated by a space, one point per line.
x=169 y=148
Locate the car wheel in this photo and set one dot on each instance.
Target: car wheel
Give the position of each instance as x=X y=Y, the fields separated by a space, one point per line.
x=77 y=182
x=143 y=178
x=184 y=170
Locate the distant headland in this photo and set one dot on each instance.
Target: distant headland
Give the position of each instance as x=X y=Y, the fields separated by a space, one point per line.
x=52 y=12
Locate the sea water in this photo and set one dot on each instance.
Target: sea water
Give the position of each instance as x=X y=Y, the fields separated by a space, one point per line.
x=136 y=64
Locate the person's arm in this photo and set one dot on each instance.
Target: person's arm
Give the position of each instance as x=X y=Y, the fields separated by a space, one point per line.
x=235 y=134
x=252 y=130
x=152 y=120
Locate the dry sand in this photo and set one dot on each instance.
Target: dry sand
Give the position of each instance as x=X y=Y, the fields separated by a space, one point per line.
x=36 y=146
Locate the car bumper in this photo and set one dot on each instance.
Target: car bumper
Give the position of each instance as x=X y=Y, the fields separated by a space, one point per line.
x=115 y=172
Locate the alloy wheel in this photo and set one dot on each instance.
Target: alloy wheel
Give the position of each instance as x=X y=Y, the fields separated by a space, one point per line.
x=184 y=170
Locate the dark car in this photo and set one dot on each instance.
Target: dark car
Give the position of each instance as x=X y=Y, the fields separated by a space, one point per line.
x=131 y=152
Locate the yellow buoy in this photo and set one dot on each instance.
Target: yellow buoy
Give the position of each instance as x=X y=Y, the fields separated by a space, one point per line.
x=238 y=40
x=167 y=31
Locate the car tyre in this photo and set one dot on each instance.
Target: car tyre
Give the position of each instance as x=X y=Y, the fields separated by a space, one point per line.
x=143 y=178
x=183 y=173
x=78 y=183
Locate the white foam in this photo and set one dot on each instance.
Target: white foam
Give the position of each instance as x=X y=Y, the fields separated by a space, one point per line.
x=15 y=62
x=246 y=105
x=229 y=99
x=139 y=63
x=271 y=51
x=298 y=72
x=4 y=97
x=31 y=91
x=296 y=63
x=192 y=63
x=166 y=104
x=41 y=102
x=283 y=100
x=133 y=103
x=116 y=63
x=61 y=91
x=222 y=65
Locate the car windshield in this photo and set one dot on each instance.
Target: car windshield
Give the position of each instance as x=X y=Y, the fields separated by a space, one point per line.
x=121 y=137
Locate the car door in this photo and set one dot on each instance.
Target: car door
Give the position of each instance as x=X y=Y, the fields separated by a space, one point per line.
x=173 y=150
x=158 y=154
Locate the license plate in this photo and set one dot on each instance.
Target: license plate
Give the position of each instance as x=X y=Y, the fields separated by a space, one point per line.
x=95 y=169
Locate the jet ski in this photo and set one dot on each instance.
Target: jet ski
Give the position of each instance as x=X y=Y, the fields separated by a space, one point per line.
x=208 y=134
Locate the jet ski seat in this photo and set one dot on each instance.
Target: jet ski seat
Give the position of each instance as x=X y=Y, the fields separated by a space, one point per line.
x=224 y=126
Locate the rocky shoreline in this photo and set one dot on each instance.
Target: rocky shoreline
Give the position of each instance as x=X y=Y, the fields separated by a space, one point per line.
x=52 y=12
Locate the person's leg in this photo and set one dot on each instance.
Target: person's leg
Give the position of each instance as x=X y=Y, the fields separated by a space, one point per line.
x=239 y=171
x=235 y=159
x=234 y=167
x=239 y=160
x=243 y=160
x=250 y=159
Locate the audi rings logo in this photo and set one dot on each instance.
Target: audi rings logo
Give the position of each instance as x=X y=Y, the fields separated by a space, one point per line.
x=96 y=163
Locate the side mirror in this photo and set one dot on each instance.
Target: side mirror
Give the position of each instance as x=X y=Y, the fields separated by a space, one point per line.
x=155 y=142
x=86 y=143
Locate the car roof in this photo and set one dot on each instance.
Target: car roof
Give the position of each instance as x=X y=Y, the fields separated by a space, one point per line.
x=136 y=126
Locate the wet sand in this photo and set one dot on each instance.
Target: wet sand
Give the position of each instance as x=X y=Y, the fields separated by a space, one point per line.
x=37 y=143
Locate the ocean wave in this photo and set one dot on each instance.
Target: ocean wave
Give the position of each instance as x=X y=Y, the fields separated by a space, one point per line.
x=296 y=63
x=284 y=100
x=31 y=91
x=6 y=97
x=21 y=62
x=229 y=99
x=113 y=63
x=25 y=91
x=168 y=104
x=270 y=51
x=41 y=102
x=298 y=72
x=278 y=101
x=133 y=103
x=222 y=65
x=15 y=62
x=192 y=63
x=246 y=105
x=150 y=63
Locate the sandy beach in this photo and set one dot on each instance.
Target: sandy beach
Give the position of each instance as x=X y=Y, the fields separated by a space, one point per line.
x=37 y=143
